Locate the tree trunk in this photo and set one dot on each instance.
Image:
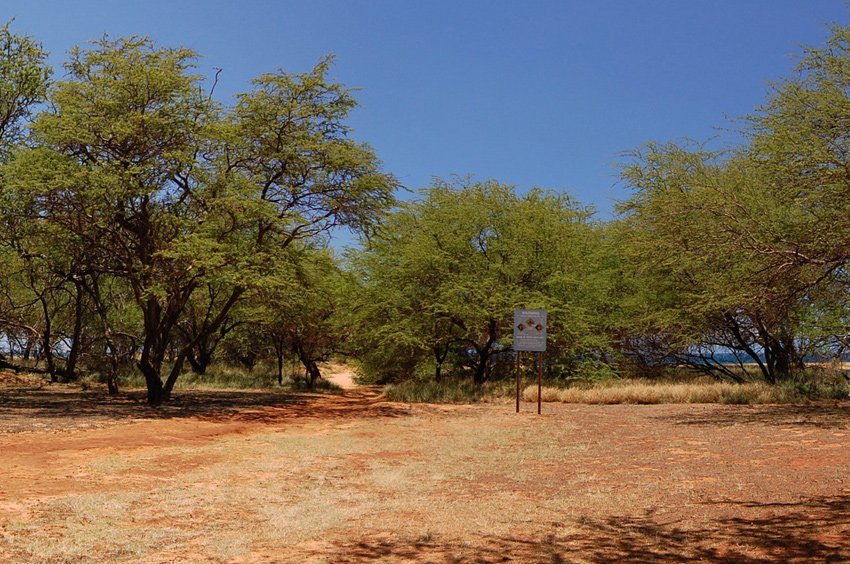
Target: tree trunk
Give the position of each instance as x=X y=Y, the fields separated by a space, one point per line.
x=312 y=373
x=193 y=362
x=278 y=349
x=780 y=355
x=199 y=362
x=204 y=360
x=46 y=337
x=311 y=368
x=70 y=373
x=112 y=378
x=28 y=347
x=172 y=377
x=93 y=289
x=440 y=354
x=482 y=369
x=152 y=381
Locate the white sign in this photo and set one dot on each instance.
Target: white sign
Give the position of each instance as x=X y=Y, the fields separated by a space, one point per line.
x=530 y=330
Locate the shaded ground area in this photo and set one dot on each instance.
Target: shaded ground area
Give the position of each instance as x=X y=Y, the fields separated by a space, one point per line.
x=30 y=403
x=252 y=476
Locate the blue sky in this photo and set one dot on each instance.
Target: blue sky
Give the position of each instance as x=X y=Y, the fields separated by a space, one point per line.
x=534 y=93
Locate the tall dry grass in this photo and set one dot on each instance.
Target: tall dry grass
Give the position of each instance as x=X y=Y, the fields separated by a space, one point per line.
x=641 y=391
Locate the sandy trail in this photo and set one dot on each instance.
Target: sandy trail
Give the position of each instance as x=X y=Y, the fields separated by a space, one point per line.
x=341 y=375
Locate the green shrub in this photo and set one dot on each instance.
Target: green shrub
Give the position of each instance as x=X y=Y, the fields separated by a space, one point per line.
x=450 y=390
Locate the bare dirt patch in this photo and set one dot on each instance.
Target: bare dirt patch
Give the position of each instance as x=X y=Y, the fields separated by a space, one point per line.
x=339 y=374
x=256 y=476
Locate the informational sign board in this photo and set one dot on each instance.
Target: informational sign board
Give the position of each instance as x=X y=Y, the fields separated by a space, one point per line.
x=530 y=330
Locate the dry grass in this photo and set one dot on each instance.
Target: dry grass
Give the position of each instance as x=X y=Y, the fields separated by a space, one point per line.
x=650 y=392
x=441 y=483
x=237 y=495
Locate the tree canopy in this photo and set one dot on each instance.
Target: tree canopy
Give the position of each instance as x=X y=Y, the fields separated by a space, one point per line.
x=144 y=223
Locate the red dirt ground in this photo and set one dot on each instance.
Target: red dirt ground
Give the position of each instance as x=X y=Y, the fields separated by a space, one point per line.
x=583 y=483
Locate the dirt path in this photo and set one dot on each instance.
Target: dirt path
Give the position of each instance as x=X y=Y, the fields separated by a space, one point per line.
x=341 y=375
x=257 y=476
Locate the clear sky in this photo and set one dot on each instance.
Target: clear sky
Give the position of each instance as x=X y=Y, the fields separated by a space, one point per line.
x=534 y=93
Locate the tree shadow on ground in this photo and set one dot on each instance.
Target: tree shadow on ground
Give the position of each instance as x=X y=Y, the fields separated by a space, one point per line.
x=67 y=408
x=812 y=530
x=823 y=416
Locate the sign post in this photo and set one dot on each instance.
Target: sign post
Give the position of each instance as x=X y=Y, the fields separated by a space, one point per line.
x=530 y=335
x=517 y=379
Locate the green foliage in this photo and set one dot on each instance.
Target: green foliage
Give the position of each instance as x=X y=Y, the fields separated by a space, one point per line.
x=747 y=250
x=816 y=383
x=143 y=221
x=446 y=272
x=137 y=174
x=23 y=84
x=301 y=313
x=593 y=370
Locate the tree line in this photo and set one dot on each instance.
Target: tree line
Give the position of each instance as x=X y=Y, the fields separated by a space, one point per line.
x=148 y=226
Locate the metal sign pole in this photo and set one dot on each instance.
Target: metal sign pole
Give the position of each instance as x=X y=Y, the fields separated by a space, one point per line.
x=518 y=354
x=530 y=336
x=539 y=381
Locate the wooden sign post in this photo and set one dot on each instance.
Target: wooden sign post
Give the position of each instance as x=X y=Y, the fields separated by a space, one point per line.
x=530 y=335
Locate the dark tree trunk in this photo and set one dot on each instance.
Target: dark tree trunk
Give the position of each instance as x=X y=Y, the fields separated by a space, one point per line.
x=112 y=383
x=278 y=349
x=28 y=344
x=193 y=362
x=151 y=359
x=46 y=338
x=781 y=358
x=70 y=373
x=203 y=335
x=172 y=377
x=153 y=382
x=742 y=342
x=440 y=354
x=112 y=377
x=159 y=324
x=482 y=368
x=313 y=373
x=199 y=359
x=92 y=287
x=311 y=368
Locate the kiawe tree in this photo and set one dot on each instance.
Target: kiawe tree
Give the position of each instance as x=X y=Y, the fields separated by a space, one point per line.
x=447 y=271
x=170 y=192
x=301 y=313
x=747 y=251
